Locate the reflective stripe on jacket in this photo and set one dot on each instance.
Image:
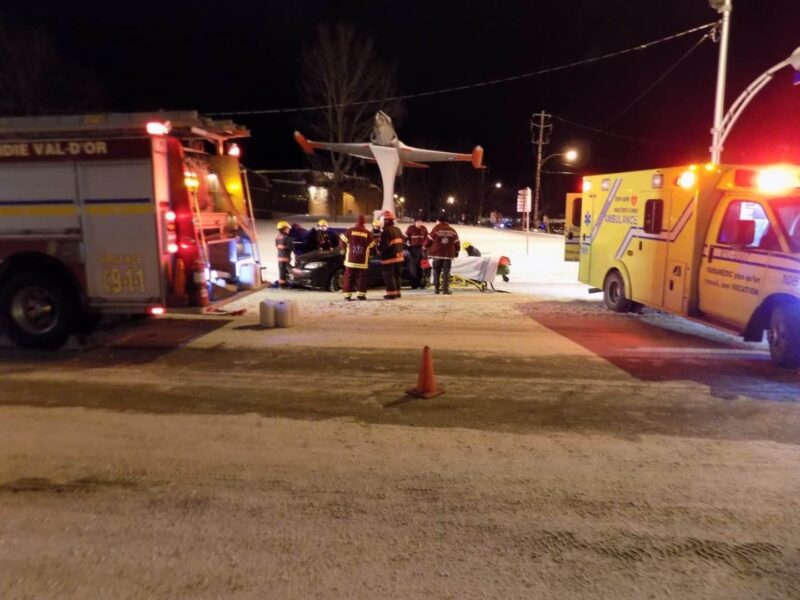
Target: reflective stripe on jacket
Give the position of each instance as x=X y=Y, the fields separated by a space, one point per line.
x=359 y=242
x=284 y=244
x=417 y=236
x=391 y=245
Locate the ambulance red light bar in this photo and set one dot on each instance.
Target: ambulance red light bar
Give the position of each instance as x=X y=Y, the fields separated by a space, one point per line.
x=158 y=128
x=770 y=180
x=776 y=179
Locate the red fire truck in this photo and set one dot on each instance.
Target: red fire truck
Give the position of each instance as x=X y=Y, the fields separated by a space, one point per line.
x=119 y=213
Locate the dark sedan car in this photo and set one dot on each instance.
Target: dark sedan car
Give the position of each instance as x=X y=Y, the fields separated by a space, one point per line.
x=323 y=270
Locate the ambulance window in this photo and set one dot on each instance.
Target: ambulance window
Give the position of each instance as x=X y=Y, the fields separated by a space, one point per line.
x=788 y=212
x=576 y=212
x=764 y=236
x=653 y=216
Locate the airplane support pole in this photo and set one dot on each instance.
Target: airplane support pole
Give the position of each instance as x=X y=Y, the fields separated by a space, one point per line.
x=388 y=160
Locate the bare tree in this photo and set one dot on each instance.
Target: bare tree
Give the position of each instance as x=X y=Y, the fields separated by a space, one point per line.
x=36 y=79
x=343 y=73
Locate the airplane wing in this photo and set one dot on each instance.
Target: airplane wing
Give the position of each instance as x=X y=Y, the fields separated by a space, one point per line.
x=361 y=150
x=420 y=155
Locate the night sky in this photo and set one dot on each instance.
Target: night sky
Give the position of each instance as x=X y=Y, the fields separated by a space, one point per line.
x=233 y=56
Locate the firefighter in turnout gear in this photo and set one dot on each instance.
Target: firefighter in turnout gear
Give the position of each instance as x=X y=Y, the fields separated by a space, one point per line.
x=284 y=245
x=320 y=238
x=416 y=236
x=391 y=250
x=443 y=247
x=358 y=242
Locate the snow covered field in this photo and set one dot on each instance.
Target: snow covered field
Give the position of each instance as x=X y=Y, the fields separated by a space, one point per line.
x=575 y=453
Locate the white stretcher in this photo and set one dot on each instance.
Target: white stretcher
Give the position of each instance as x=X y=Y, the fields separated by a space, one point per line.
x=478 y=271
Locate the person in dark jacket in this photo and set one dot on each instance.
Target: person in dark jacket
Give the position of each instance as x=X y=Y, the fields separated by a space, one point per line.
x=358 y=241
x=470 y=249
x=283 y=242
x=319 y=238
x=416 y=238
x=443 y=247
x=391 y=251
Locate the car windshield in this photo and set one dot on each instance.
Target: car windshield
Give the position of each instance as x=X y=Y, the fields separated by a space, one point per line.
x=788 y=212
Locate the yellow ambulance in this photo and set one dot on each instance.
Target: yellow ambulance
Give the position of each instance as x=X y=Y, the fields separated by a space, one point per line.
x=717 y=243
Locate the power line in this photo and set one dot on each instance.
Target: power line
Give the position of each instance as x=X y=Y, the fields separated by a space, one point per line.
x=620 y=135
x=659 y=79
x=491 y=82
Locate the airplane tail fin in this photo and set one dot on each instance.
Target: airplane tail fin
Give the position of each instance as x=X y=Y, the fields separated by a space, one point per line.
x=303 y=142
x=477 y=157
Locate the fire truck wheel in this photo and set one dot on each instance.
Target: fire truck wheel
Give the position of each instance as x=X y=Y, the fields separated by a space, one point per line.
x=37 y=311
x=614 y=293
x=784 y=335
x=335 y=284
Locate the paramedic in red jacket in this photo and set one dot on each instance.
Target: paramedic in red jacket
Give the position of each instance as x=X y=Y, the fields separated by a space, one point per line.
x=443 y=247
x=358 y=242
x=416 y=237
x=391 y=250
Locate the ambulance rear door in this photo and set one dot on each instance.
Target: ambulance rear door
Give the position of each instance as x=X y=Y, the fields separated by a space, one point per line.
x=120 y=234
x=572 y=228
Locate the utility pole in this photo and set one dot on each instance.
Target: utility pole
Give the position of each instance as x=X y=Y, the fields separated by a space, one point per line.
x=724 y=7
x=541 y=130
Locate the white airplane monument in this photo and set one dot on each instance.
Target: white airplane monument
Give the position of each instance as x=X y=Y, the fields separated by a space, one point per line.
x=390 y=153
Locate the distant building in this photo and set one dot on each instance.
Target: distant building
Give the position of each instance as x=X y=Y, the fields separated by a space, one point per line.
x=305 y=191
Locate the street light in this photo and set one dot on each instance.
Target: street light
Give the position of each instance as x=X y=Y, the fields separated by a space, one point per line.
x=724 y=125
x=498 y=184
x=451 y=200
x=569 y=156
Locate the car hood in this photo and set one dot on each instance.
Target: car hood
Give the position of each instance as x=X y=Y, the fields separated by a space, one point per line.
x=318 y=255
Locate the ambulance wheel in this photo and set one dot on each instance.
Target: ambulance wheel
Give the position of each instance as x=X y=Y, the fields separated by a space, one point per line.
x=614 y=293
x=784 y=335
x=335 y=284
x=37 y=311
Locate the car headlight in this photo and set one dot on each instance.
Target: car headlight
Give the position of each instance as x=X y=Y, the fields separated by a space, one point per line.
x=314 y=265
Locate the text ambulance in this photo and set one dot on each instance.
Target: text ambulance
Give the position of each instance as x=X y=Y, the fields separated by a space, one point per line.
x=719 y=243
x=118 y=213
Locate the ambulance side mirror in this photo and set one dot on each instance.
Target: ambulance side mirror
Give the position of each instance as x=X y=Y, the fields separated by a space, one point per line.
x=745 y=233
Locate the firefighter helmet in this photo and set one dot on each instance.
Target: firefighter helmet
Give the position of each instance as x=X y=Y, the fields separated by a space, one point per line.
x=387 y=214
x=322 y=223
x=466 y=245
x=282 y=225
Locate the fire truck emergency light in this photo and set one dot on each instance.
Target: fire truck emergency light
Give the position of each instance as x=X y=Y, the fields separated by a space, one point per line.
x=587 y=185
x=169 y=216
x=158 y=128
x=234 y=150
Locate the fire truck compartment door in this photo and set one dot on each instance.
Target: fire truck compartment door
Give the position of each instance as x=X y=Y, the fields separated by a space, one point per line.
x=120 y=233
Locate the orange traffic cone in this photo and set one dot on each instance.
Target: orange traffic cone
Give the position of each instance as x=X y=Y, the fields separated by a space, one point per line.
x=426 y=382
